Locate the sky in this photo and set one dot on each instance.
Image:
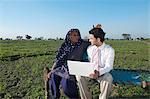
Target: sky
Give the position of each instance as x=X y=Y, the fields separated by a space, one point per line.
x=54 y=18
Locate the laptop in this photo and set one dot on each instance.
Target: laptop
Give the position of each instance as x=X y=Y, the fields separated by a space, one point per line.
x=80 y=68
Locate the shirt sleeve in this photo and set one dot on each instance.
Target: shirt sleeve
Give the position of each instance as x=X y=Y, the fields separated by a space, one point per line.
x=89 y=52
x=108 y=65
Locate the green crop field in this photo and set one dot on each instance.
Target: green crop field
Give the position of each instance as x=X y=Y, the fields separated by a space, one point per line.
x=22 y=63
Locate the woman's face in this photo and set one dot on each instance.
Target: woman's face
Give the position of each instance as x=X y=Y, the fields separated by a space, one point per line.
x=74 y=37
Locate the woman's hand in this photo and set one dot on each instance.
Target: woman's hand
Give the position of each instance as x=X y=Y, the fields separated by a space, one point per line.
x=49 y=75
x=46 y=73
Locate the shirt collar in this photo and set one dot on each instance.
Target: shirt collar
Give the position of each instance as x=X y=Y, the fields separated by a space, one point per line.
x=102 y=46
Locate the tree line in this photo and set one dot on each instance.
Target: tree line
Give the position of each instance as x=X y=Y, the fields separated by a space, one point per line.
x=126 y=36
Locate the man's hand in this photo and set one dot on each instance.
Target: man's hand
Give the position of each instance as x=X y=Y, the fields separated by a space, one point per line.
x=94 y=75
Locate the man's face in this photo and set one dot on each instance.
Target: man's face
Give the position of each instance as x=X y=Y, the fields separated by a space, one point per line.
x=93 y=40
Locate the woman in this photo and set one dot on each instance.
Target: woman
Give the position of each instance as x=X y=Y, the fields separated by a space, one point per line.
x=59 y=74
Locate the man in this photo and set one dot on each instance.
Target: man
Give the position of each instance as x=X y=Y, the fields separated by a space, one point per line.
x=102 y=55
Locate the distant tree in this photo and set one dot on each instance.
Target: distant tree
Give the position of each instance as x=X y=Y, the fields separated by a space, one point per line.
x=28 y=37
x=8 y=39
x=1 y=38
x=142 y=38
x=50 y=39
x=19 y=37
x=61 y=39
x=126 y=36
x=138 y=38
x=106 y=38
x=40 y=38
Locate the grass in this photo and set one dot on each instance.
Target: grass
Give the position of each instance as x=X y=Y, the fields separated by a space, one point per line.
x=22 y=63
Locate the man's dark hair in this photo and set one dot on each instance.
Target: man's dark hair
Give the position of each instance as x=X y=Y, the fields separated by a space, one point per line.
x=98 y=33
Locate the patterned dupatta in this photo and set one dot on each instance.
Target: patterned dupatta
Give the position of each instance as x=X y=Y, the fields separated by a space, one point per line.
x=66 y=49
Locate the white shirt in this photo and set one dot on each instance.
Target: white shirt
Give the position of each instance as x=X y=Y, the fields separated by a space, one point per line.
x=102 y=57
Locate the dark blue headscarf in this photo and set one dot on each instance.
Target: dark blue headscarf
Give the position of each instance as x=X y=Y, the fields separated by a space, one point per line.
x=66 y=48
